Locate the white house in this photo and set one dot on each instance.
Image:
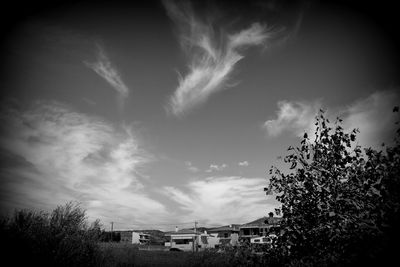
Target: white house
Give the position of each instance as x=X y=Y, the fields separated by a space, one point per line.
x=227 y=235
x=190 y=240
x=140 y=238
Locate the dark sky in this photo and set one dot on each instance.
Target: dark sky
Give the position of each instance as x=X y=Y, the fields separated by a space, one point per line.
x=169 y=112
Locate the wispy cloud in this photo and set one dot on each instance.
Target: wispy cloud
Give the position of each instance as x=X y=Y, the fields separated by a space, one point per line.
x=296 y=117
x=222 y=200
x=216 y=167
x=105 y=69
x=372 y=115
x=374 y=118
x=65 y=155
x=212 y=54
x=190 y=167
x=244 y=163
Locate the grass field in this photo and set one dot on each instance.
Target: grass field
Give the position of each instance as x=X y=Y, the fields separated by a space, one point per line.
x=119 y=254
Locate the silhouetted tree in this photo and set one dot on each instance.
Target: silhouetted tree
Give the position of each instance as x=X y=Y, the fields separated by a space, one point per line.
x=340 y=203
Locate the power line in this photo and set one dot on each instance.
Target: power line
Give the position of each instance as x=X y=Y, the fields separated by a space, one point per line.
x=163 y=224
x=152 y=225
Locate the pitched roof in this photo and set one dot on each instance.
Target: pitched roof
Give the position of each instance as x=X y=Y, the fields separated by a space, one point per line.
x=231 y=227
x=262 y=222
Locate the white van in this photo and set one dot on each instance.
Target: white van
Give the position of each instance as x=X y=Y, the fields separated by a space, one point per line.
x=263 y=239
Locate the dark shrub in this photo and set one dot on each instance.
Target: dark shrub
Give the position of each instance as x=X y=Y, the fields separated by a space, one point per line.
x=60 y=238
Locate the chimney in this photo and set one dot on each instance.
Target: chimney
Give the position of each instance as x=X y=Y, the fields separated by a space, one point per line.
x=176 y=229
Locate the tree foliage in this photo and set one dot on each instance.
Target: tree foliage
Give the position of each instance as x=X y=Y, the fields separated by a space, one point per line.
x=340 y=202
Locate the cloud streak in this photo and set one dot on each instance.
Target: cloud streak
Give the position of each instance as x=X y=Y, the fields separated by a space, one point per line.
x=296 y=117
x=216 y=167
x=212 y=55
x=244 y=163
x=105 y=69
x=222 y=200
x=374 y=118
x=372 y=115
x=190 y=167
x=65 y=155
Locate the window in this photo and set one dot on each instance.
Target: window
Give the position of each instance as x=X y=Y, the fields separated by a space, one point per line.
x=226 y=235
x=182 y=241
x=256 y=240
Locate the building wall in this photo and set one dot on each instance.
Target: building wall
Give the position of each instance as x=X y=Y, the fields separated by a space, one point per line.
x=212 y=241
x=139 y=238
x=135 y=238
x=234 y=239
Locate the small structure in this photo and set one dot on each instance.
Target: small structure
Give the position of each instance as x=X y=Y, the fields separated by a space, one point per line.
x=140 y=238
x=227 y=235
x=260 y=227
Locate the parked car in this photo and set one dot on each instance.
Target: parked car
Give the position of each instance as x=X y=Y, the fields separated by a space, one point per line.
x=263 y=239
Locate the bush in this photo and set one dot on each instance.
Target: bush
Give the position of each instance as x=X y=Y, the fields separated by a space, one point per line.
x=340 y=204
x=60 y=238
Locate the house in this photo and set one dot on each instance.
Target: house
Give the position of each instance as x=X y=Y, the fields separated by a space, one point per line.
x=140 y=238
x=228 y=234
x=190 y=240
x=185 y=239
x=260 y=227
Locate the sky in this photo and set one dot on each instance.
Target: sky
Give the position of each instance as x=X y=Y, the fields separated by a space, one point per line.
x=157 y=114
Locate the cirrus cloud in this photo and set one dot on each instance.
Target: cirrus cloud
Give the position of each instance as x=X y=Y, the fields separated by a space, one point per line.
x=212 y=54
x=244 y=163
x=105 y=69
x=61 y=155
x=216 y=167
x=372 y=115
x=191 y=167
x=296 y=117
x=222 y=200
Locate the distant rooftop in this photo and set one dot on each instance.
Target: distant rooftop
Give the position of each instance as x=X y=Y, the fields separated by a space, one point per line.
x=264 y=221
x=231 y=227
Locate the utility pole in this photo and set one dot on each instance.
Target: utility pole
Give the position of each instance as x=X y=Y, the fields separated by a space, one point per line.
x=195 y=235
x=112 y=234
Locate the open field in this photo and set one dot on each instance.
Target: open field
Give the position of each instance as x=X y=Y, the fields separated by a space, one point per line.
x=118 y=254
